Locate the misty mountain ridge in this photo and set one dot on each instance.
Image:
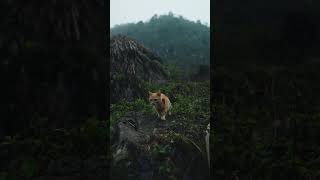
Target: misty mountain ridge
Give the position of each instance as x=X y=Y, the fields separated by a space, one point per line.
x=175 y=39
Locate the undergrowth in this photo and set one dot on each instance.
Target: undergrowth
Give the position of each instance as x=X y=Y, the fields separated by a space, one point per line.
x=31 y=150
x=189 y=101
x=185 y=127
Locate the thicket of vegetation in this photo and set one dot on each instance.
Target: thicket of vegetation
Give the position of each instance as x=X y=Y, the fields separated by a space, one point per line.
x=266 y=122
x=41 y=151
x=266 y=98
x=53 y=75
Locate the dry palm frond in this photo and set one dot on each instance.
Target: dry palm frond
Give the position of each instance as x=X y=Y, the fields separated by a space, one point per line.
x=131 y=58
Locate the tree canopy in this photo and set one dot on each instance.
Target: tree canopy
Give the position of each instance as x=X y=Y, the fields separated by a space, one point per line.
x=175 y=39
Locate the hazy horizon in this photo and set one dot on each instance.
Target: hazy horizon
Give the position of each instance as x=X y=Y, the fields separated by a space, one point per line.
x=128 y=11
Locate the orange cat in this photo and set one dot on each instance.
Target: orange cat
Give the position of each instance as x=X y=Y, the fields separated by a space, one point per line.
x=161 y=103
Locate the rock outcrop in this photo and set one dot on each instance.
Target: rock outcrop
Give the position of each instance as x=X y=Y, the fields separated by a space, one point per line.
x=134 y=142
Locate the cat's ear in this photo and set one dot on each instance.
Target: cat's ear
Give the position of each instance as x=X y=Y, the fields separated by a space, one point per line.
x=150 y=93
x=159 y=93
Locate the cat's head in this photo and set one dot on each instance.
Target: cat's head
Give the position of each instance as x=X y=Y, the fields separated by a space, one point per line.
x=155 y=98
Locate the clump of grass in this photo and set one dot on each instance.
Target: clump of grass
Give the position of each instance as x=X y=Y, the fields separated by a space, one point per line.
x=164 y=165
x=191 y=107
x=122 y=107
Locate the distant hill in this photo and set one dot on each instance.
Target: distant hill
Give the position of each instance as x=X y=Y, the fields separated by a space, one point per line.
x=175 y=39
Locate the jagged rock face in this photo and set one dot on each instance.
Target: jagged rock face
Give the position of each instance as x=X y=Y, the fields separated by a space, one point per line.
x=132 y=63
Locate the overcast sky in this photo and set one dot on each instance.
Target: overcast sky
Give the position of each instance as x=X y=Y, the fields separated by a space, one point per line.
x=125 y=11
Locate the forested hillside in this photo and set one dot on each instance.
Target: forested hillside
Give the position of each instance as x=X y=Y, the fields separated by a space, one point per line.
x=175 y=39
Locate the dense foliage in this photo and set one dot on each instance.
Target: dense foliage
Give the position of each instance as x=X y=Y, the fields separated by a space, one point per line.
x=53 y=74
x=177 y=40
x=266 y=84
x=267 y=121
x=41 y=151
